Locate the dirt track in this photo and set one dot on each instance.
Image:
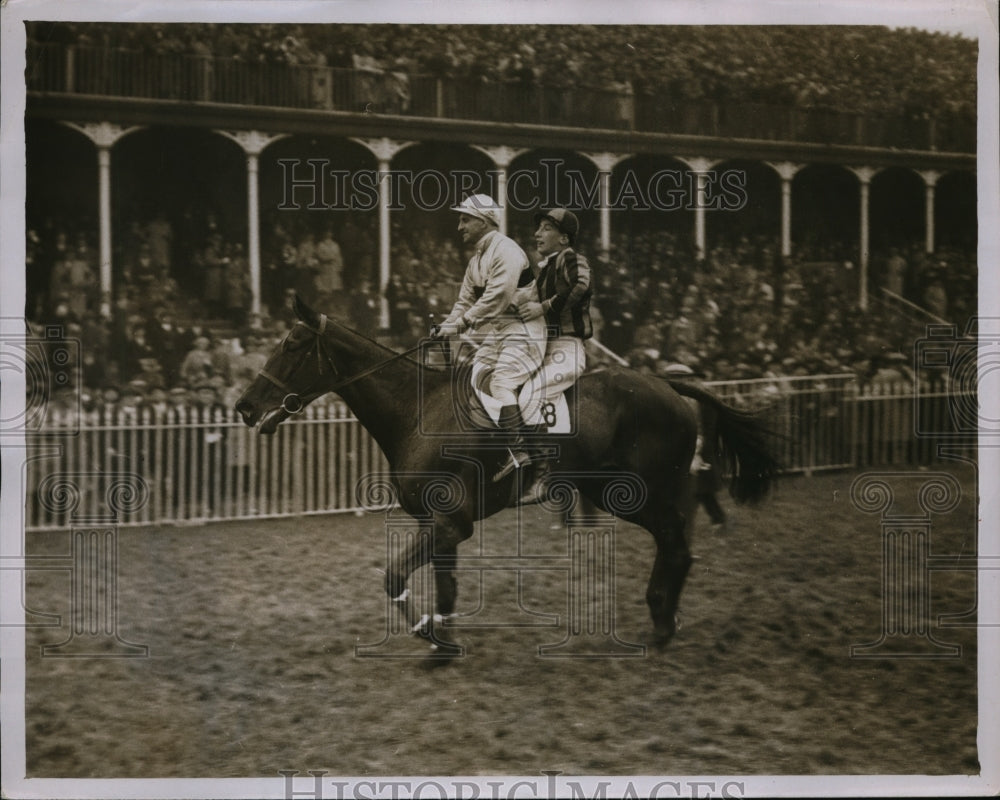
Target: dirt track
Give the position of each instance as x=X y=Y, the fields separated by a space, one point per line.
x=251 y=631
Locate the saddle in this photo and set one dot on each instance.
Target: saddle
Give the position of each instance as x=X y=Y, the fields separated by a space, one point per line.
x=483 y=410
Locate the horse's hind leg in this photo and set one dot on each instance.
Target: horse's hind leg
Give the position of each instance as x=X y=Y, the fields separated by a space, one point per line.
x=447 y=536
x=673 y=560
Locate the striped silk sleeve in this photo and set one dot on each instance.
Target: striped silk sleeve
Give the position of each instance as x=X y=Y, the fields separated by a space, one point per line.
x=577 y=284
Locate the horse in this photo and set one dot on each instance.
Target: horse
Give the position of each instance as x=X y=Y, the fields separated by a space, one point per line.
x=627 y=424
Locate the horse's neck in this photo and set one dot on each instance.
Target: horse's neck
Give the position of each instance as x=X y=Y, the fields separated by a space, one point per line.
x=385 y=401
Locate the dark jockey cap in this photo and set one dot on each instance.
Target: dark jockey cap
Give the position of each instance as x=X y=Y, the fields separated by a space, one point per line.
x=565 y=221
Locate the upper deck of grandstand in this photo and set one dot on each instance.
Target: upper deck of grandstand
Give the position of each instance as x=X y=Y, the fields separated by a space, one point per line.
x=864 y=87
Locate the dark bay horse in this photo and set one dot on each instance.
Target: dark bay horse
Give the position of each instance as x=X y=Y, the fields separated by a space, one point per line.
x=627 y=424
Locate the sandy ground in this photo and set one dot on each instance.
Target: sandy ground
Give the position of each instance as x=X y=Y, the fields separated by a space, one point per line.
x=252 y=666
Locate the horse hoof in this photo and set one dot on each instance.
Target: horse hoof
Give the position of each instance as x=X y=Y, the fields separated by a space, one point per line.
x=658 y=640
x=442 y=654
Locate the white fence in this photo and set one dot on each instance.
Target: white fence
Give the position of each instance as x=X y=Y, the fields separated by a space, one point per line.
x=200 y=464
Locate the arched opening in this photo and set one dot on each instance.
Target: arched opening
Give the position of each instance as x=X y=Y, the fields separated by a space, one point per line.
x=548 y=178
x=61 y=214
x=319 y=198
x=826 y=205
x=896 y=209
x=175 y=190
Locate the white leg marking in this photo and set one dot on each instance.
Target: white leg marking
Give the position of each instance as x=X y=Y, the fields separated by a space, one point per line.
x=420 y=624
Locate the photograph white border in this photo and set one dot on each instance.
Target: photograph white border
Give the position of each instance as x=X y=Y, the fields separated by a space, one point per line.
x=973 y=18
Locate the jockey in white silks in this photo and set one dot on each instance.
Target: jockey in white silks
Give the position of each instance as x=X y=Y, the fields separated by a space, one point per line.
x=498 y=280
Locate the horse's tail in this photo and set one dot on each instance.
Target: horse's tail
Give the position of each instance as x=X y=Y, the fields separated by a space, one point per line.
x=744 y=440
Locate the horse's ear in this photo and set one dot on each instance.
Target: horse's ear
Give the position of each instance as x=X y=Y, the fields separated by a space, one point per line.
x=303 y=312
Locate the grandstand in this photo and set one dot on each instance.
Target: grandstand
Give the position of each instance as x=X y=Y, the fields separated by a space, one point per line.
x=850 y=151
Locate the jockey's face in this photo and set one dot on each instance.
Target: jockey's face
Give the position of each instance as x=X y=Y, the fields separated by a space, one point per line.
x=549 y=239
x=472 y=228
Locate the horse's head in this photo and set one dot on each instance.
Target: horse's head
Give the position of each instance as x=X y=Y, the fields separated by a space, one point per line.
x=298 y=371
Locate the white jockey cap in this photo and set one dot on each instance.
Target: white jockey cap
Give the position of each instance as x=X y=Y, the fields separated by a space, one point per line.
x=481 y=206
x=678 y=369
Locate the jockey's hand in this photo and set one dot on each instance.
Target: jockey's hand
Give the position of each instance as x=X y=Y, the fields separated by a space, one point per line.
x=445 y=330
x=530 y=310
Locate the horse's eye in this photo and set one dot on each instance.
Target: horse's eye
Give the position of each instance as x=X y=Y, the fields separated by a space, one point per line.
x=292 y=343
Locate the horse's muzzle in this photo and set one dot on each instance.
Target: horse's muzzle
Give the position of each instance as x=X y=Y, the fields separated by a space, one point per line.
x=247 y=412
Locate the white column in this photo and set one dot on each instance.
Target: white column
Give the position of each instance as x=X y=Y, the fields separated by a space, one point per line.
x=384 y=149
x=104 y=135
x=930 y=181
x=253 y=144
x=104 y=224
x=605 y=163
x=786 y=171
x=865 y=175
x=700 y=166
x=502 y=156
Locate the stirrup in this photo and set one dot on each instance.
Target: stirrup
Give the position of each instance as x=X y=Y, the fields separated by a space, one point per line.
x=516 y=461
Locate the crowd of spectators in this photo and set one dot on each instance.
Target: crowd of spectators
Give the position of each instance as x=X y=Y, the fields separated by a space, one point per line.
x=743 y=312
x=746 y=313
x=180 y=319
x=907 y=72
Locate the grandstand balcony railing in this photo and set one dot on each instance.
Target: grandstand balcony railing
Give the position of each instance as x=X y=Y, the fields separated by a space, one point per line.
x=201 y=465
x=114 y=72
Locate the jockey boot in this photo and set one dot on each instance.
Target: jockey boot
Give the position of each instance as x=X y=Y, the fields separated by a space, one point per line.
x=510 y=420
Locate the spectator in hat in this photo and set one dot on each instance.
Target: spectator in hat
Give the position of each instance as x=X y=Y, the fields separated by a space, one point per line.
x=214 y=262
x=197 y=366
x=895 y=271
x=157 y=401
x=137 y=349
x=222 y=355
x=177 y=397
x=166 y=340
x=237 y=286
x=563 y=290
x=251 y=359
x=306 y=265
x=151 y=373
x=132 y=397
x=498 y=280
x=329 y=269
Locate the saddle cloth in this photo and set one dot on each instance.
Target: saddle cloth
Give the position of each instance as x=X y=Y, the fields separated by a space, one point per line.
x=553 y=414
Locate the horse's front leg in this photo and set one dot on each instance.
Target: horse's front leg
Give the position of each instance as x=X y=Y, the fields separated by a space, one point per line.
x=439 y=548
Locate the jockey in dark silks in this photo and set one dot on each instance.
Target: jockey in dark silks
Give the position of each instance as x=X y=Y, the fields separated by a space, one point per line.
x=563 y=301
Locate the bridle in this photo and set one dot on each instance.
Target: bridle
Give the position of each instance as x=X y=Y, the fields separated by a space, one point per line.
x=292 y=402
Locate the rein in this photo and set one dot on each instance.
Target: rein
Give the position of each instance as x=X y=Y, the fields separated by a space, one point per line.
x=292 y=401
